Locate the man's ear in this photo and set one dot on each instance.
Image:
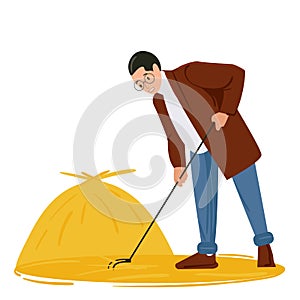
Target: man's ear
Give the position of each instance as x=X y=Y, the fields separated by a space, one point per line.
x=155 y=69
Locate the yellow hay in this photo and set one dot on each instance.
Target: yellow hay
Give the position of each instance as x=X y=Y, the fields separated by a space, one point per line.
x=93 y=218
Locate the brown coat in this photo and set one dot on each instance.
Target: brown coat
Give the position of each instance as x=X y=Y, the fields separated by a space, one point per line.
x=204 y=89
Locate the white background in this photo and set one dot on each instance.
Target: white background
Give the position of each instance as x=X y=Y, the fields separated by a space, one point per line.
x=56 y=57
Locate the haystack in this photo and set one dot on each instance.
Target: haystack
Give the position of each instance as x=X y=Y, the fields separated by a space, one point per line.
x=92 y=219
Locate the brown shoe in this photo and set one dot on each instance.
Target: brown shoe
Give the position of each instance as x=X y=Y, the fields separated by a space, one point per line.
x=198 y=261
x=265 y=256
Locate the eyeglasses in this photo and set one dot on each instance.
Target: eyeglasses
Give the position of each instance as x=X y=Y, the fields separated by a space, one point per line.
x=148 y=78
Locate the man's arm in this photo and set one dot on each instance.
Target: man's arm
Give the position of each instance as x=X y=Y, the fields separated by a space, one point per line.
x=176 y=147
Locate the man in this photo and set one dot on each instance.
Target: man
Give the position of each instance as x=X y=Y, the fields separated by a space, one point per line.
x=187 y=100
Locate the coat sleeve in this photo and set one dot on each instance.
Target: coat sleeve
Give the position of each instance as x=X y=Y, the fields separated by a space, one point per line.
x=176 y=148
x=227 y=78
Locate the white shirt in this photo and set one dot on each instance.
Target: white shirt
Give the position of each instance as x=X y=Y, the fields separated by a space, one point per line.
x=179 y=118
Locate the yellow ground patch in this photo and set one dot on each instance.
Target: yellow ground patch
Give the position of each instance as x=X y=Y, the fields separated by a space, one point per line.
x=146 y=270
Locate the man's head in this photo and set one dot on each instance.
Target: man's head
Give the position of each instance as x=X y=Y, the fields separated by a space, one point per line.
x=144 y=68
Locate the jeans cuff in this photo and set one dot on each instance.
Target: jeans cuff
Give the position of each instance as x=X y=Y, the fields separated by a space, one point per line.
x=207 y=248
x=263 y=239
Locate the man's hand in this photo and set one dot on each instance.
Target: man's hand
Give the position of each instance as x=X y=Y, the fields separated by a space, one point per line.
x=177 y=173
x=219 y=119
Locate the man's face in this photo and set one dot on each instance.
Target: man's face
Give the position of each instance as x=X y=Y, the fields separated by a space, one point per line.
x=149 y=81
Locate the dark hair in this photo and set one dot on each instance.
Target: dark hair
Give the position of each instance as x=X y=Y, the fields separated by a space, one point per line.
x=143 y=59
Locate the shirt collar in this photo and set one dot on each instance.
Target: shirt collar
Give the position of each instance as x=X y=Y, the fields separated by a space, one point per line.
x=164 y=87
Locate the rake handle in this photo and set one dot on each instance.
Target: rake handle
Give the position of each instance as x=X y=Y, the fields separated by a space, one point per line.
x=171 y=192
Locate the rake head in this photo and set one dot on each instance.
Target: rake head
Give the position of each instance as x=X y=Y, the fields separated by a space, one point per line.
x=118 y=261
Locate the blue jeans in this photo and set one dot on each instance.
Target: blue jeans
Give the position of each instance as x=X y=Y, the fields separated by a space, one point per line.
x=205 y=181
